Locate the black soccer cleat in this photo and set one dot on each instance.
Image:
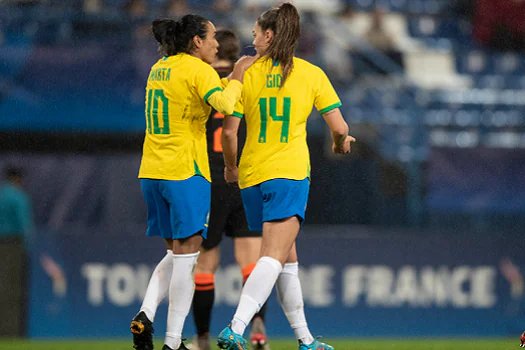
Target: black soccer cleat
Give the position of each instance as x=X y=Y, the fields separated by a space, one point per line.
x=181 y=347
x=142 y=330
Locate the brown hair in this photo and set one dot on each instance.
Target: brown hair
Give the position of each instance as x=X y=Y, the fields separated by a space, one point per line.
x=229 y=45
x=284 y=21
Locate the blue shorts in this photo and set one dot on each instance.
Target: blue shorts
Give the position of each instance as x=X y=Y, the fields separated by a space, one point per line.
x=274 y=200
x=177 y=209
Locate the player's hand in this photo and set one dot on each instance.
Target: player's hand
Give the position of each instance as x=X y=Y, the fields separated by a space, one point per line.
x=241 y=66
x=245 y=62
x=345 y=147
x=231 y=175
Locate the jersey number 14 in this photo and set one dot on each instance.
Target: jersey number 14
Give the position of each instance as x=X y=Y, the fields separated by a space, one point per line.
x=155 y=113
x=285 y=118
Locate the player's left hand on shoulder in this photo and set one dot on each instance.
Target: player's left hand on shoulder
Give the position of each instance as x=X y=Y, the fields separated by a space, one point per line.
x=246 y=61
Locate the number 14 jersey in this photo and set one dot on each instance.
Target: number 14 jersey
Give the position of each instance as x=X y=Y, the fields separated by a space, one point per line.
x=276 y=116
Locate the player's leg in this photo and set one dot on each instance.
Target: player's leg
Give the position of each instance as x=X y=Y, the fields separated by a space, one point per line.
x=189 y=202
x=247 y=250
x=290 y=296
x=253 y=205
x=283 y=206
x=247 y=246
x=185 y=254
x=158 y=225
x=204 y=296
x=158 y=285
x=262 y=280
x=207 y=265
x=157 y=290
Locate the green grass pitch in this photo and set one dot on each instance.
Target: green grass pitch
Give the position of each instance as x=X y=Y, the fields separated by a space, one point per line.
x=348 y=344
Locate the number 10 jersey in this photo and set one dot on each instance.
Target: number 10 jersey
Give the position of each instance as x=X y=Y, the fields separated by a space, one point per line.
x=177 y=94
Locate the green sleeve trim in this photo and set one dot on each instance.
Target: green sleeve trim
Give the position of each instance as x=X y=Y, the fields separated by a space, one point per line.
x=329 y=108
x=237 y=114
x=207 y=96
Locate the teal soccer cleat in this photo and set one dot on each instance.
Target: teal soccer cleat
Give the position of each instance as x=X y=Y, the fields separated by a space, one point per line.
x=230 y=340
x=315 y=345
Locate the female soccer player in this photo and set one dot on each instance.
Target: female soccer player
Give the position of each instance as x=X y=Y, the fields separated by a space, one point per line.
x=226 y=217
x=174 y=172
x=279 y=92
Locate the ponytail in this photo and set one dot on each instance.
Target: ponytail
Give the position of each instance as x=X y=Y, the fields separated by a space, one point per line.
x=165 y=32
x=177 y=36
x=284 y=21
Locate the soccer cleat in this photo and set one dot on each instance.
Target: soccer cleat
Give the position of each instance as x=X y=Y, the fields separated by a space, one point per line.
x=230 y=340
x=181 y=347
x=142 y=330
x=258 y=335
x=522 y=340
x=315 y=345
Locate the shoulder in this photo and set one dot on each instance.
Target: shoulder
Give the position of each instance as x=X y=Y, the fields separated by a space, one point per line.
x=262 y=64
x=203 y=68
x=188 y=63
x=307 y=67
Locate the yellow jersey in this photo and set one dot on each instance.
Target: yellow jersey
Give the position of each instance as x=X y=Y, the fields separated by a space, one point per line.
x=276 y=119
x=179 y=92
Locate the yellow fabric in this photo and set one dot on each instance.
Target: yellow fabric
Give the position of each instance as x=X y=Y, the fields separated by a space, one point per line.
x=275 y=147
x=179 y=92
x=225 y=102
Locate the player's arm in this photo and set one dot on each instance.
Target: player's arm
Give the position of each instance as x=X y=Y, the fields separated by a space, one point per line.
x=224 y=100
x=339 y=129
x=229 y=140
x=327 y=103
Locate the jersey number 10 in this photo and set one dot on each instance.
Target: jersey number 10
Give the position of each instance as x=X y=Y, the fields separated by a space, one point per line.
x=152 y=113
x=285 y=118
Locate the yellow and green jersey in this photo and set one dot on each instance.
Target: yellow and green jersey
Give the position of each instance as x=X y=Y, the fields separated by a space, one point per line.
x=276 y=119
x=179 y=92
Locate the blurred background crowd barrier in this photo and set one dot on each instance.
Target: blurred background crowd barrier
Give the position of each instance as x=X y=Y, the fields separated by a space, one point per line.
x=424 y=220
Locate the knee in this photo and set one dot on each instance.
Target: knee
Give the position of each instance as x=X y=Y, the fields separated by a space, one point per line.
x=280 y=255
x=208 y=262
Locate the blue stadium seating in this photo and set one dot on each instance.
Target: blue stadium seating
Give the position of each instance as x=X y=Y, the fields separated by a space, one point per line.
x=411 y=6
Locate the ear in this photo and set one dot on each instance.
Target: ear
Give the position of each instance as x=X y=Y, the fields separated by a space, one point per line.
x=197 y=41
x=268 y=36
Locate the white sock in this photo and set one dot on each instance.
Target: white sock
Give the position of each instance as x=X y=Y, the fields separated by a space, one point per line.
x=181 y=291
x=255 y=292
x=158 y=286
x=291 y=299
